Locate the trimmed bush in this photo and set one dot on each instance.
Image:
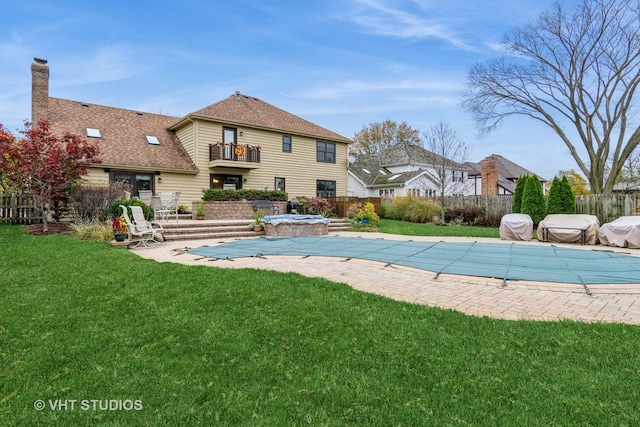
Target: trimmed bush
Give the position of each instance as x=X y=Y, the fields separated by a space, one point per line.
x=90 y=202
x=218 y=195
x=533 y=203
x=554 y=204
x=516 y=204
x=568 y=198
x=469 y=215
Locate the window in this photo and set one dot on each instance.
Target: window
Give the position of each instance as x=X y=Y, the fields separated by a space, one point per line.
x=458 y=176
x=325 y=188
x=93 y=133
x=153 y=140
x=278 y=184
x=286 y=143
x=325 y=152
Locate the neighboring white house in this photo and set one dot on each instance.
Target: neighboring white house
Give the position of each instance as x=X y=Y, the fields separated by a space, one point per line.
x=404 y=170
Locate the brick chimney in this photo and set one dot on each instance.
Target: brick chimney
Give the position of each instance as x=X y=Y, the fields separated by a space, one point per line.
x=39 y=90
x=489 y=173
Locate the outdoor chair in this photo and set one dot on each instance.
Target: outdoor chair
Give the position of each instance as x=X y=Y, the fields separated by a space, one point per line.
x=170 y=202
x=145 y=196
x=159 y=209
x=141 y=232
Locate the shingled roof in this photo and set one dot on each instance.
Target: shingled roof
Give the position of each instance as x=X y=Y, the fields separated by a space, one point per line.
x=242 y=109
x=123 y=141
x=506 y=168
x=404 y=154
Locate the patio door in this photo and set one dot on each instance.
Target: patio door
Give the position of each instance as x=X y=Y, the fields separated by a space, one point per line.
x=137 y=180
x=229 y=140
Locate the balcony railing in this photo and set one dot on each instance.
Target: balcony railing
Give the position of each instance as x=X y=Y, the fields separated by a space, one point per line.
x=234 y=152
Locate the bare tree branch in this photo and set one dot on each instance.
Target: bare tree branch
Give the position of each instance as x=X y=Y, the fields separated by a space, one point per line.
x=574 y=70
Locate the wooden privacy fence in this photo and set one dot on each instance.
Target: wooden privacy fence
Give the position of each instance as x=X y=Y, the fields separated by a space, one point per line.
x=19 y=209
x=494 y=206
x=608 y=207
x=341 y=204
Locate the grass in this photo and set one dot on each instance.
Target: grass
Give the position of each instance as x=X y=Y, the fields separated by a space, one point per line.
x=405 y=228
x=200 y=345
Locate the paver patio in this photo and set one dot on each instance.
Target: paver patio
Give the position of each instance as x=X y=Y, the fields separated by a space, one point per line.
x=468 y=294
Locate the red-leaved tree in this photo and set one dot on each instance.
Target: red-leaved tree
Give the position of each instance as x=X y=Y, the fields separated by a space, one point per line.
x=43 y=164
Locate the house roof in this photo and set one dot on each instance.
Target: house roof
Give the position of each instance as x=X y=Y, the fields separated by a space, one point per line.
x=123 y=141
x=506 y=168
x=368 y=170
x=247 y=110
x=372 y=169
x=405 y=154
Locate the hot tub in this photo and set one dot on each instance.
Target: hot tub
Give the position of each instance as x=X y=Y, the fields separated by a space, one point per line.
x=295 y=225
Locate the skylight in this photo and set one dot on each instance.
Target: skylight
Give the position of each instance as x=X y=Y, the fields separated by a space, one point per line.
x=153 y=140
x=382 y=172
x=93 y=133
x=394 y=177
x=366 y=171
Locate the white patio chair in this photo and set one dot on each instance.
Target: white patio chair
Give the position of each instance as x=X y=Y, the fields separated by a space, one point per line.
x=173 y=205
x=159 y=208
x=145 y=196
x=141 y=232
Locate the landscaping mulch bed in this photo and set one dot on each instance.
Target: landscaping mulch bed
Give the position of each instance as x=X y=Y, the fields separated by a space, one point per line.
x=54 y=228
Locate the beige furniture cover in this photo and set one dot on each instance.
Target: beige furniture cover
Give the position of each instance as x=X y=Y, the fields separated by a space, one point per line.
x=516 y=227
x=623 y=232
x=567 y=228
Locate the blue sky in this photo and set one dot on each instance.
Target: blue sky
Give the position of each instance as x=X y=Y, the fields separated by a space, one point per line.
x=340 y=64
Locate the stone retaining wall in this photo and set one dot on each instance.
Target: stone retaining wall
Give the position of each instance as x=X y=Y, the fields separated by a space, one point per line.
x=231 y=209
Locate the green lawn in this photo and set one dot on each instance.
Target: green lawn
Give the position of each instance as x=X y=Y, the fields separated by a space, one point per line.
x=416 y=229
x=198 y=345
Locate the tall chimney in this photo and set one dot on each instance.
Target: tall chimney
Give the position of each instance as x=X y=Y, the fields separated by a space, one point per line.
x=489 y=176
x=39 y=90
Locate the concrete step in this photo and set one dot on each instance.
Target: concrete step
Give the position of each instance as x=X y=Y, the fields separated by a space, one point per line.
x=199 y=230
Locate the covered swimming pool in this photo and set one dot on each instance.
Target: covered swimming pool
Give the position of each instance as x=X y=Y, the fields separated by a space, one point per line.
x=506 y=261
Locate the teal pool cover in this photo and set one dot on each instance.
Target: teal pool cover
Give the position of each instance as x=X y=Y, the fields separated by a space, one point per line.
x=506 y=261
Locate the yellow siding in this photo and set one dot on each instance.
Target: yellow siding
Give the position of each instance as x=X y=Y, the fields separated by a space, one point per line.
x=186 y=135
x=299 y=167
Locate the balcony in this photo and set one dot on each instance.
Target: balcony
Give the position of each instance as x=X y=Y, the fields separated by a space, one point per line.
x=241 y=156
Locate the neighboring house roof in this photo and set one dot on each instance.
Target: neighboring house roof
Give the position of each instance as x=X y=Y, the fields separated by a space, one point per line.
x=372 y=170
x=123 y=141
x=247 y=110
x=506 y=168
x=406 y=154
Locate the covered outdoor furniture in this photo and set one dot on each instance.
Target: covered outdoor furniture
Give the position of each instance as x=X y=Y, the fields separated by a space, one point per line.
x=569 y=228
x=516 y=227
x=623 y=232
x=141 y=232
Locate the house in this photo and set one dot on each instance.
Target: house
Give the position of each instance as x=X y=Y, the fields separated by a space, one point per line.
x=405 y=170
x=496 y=176
x=239 y=142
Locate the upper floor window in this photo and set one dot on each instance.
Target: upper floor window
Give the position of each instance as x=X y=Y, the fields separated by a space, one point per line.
x=458 y=176
x=286 y=143
x=325 y=152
